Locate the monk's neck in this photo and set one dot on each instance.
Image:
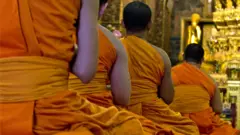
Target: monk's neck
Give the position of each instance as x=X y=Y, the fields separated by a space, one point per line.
x=197 y=65
x=137 y=34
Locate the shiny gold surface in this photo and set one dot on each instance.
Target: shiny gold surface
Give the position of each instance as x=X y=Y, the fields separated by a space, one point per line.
x=194 y=31
x=218 y=5
x=223 y=47
x=185 y=23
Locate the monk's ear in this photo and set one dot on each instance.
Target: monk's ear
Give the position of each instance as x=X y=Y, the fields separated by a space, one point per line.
x=122 y=23
x=202 y=60
x=149 y=25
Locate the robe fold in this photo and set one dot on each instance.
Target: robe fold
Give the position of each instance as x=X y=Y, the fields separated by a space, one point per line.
x=146 y=69
x=36 y=47
x=194 y=90
x=96 y=91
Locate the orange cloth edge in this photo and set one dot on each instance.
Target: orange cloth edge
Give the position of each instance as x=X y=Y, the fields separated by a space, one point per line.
x=27 y=28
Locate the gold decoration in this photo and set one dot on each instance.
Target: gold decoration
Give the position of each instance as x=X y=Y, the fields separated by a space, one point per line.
x=194 y=31
x=159 y=34
x=238 y=3
x=112 y=14
x=218 y=5
x=229 y=4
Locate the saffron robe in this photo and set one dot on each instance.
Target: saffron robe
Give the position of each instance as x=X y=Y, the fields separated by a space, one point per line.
x=36 y=47
x=194 y=90
x=146 y=69
x=96 y=91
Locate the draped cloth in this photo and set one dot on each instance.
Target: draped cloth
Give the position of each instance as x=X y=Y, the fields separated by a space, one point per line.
x=37 y=45
x=146 y=69
x=193 y=91
x=96 y=91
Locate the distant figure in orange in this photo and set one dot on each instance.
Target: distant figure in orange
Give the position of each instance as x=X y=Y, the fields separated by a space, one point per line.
x=197 y=96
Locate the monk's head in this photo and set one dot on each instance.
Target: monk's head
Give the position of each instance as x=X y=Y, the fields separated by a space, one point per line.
x=194 y=53
x=137 y=17
x=102 y=6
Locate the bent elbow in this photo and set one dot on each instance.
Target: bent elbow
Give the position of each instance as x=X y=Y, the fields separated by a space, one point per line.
x=85 y=80
x=167 y=98
x=218 y=110
x=85 y=77
x=122 y=101
x=168 y=101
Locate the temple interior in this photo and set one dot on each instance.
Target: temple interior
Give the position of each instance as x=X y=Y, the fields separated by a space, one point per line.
x=217 y=29
x=120 y=67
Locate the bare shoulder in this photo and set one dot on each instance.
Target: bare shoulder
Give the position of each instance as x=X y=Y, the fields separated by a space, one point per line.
x=164 y=55
x=114 y=40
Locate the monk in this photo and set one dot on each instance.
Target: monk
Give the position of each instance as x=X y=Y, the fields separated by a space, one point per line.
x=197 y=96
x=150 y=72
x=113 y=68
x=36 y=47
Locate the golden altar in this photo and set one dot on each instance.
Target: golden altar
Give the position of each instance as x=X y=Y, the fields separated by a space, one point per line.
x=220 y=38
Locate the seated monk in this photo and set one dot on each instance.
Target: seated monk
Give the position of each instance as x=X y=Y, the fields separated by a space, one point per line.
x=36 y=47
x=150 y=73
x=197 y=96
x=113 y=68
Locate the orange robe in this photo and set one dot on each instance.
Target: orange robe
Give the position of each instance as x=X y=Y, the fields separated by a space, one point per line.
x=146 y=69
x=193 y=92
x=96 y=91
x=36 y=47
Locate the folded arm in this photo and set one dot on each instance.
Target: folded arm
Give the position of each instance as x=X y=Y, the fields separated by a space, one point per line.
x=166 y=89
x=216 y=102
x=120 y=78
x=85 y=64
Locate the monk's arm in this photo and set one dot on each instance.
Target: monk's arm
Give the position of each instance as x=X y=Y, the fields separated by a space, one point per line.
x=216 y=102
x=166 y=89
x=120 y=78
x=87 y=54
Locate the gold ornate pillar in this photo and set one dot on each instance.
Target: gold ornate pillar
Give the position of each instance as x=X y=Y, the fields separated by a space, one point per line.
x=159 y=33
x=112 y=15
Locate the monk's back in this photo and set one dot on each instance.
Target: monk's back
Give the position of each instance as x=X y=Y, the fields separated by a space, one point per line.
x=145 y=64
x=49 y=25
